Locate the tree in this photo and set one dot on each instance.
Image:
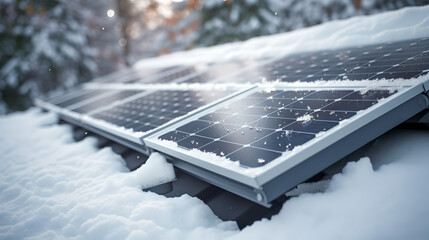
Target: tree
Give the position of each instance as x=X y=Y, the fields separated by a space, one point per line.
x=42 y=47
x=226 y=21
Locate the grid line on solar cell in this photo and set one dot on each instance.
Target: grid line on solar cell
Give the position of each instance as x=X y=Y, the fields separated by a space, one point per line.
x=271 y=132
x=155 y=109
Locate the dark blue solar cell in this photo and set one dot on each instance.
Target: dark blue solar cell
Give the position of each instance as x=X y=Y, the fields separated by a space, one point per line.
x=245 y=102
x=275 y=103
x=161 y=121
x=331 y=71
x=175 y=114
x=369 y=95
x=312 y=126
x=394 y=75
x=386 y=63
x=368 y=69
x=332 y=115
x=240 y=119
x=73 y=93
x=283 y=140
x=105 y=101
x=409 y=68
x=292 y=94
x=194 y=126
x=289 y=113
x=246 y=135
x=174 y=136
x=253 y=157
x=349 y=105
x=194 y=142
x=333 y=94
x=263 y=94
x=272 y=123
x=143 y=128
x=218 y=130
x=362 y=76
x=310 y=104
x=258 y=111
x=231 y=109
x=220 y=148
x=418 y=60
x=81 y=98
x=215 y=116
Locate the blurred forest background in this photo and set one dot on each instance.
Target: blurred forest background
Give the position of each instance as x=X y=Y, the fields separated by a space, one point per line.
x=57 y=44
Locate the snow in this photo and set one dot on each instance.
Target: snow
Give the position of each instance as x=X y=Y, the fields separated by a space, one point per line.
x=154 y=172
x=404 y=24
x=54 y=188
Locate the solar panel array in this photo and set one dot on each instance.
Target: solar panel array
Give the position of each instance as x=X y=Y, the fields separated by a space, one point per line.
x=256 y=126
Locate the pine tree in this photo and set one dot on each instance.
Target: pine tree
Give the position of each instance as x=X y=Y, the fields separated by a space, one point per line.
x=232 y=20
x=42 y=47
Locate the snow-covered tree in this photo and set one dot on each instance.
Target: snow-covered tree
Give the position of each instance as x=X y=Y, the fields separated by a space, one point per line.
x=232 y=20
x=297 y=14
x=102 y=27
x=43 y=46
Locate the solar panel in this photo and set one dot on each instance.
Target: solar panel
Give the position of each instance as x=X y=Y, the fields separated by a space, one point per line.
x=105 y=101
x=276 y=123
x=262 y=136
x=406 y=59
x=70 y=98
x=259 y=143
x=157 y=108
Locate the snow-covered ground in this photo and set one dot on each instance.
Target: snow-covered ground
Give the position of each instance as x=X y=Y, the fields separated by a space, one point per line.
x=54 y=188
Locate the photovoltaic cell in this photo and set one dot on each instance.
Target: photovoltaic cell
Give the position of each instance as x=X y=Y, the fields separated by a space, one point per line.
x=261 y=131
x=155 y=109
x=80 y=98
x=105 y=101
